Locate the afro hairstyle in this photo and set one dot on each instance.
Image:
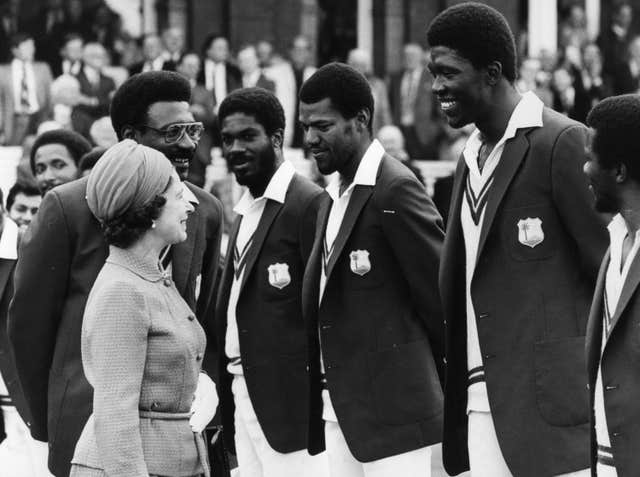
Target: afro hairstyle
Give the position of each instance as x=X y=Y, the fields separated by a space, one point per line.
x=348 y=90
x=131 y=102
x=257 y=102
x=616 y=125
x=479 y=33
x=75 y=143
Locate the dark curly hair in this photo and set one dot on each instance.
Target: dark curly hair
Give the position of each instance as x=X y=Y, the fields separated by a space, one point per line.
x=19 y=188
x=616 y=125
x=131 y=102
x=348 y=90
x=75 y=143
x=479 y=33
x=125 y=230
x=257 y=102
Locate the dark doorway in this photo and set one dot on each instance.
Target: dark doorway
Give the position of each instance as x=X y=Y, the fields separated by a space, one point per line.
x=337 y=29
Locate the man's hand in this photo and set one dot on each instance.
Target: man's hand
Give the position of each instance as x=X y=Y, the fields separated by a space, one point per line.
x=205 y=403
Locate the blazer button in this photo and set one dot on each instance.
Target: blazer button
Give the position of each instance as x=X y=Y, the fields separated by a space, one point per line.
x=482 y=316
x=489 y=356
x=191 y=317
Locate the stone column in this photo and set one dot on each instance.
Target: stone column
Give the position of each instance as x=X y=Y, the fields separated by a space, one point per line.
x=543 y=26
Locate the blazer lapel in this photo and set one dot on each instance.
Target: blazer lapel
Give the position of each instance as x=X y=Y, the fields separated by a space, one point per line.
x=6 y=267
x=514 y=152
x=182 y=254
x=593 y=343
x=628 y=289
x=311 y=281
x=358 y=199
x=270 y=212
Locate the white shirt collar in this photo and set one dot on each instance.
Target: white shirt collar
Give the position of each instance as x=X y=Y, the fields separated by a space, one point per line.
x=189 y=195
x=366 y=172
x=526 y=114
x=276 y=189
x=9 y=240
x=618 y=229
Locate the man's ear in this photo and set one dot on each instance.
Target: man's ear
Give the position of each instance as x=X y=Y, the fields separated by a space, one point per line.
x=277 y=138
x=128 y=132
x=622 y=173
x=494 y=72
x=362 y=118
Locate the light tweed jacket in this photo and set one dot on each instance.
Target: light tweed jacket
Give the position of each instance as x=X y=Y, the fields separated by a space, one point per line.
x=142 y=350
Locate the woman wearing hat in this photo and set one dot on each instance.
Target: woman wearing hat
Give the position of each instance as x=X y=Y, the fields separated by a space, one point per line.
x=142 y=347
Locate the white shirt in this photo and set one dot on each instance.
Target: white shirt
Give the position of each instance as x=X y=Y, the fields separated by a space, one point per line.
x=17 y=71
x=527 y=113
x=71 y=68
x=251 y=211
x=93 y=75
x=365 y=175
x=251 y=79
x=614 y=281
x=215 y=78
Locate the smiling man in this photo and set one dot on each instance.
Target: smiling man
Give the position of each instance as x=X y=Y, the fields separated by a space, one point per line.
x=263 y=377
x=54 y=157
x=64 y=249
x=370 y=296
x=520 y=258
x=23 y=202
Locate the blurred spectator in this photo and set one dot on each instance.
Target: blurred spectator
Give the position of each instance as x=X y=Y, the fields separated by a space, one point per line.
x=54 y=158
x=529 y=80
x=302 y=64
x=65 y=92
x=9 y=26
x=264 y=50
x=102 y=134
x=173 y=41
x=614 y=41
x=89 y=160
x=95 y=87
x=591 y=84
x=392 y=140
x=361 y=60
x=129 y=50
x=25 y=92
x=154 y=59
x=249 y=66
x=564 y=94
x=22 y=204
x=104 y=27
x=24 y=175
x=626 y=75
x=49 y=27
x=413 y=107
x=202 y=106
x=218 y=74
x=70 y=60
x=573 y=30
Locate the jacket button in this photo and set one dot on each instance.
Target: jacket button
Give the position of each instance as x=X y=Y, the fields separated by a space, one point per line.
x=191 y=317
x=489 y=356
x=615 y=434
x=243 y=331
x=482 y=316
x=154 y=405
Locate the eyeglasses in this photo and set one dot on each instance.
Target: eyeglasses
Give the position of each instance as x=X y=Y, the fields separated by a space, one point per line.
x=175 y=132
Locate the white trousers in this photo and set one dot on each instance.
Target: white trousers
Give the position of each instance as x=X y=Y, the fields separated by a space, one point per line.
x=256 y=458
x=416 y=463
x=485 y=456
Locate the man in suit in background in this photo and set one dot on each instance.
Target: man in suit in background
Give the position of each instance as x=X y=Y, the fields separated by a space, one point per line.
x=519 y=263
x=154 y=58
x=9 y=26
x=261 y=334
x=64 y=249
x=173 y=42
x=302 y=65
x=25 y=96
x=218 y=74
x=412 y=105
x=70 y=59
x=252 y=74
x=612 y=333
x=96 y=89
x=370 y=293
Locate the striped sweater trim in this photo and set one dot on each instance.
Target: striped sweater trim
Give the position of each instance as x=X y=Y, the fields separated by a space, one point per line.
x=475 y=375
x=605 y=455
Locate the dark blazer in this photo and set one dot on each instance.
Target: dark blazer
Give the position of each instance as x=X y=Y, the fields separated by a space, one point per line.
x=266 y=83
x=7 y=366
x=272 y=332
x=620 y=362
x=83 y=116
x=60 y=257
x=167 y=65
x=382 y=336
x=201 y=96
x=531 y=303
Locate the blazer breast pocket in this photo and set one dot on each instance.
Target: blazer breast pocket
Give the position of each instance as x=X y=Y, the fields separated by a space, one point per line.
x=529 y=233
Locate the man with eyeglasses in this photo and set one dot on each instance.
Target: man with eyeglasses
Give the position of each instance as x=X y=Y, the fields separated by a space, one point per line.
x=63 y=251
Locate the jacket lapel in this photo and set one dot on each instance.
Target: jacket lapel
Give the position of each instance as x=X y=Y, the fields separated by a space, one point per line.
x=628 y=289
x=6 y=267
x=270 y=212
x=514 y=152
x=311 y=282
x=358 y=199
x=182 y=254
x=593 y=344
